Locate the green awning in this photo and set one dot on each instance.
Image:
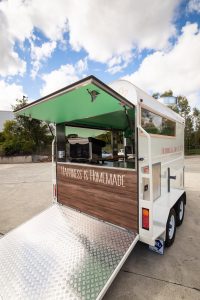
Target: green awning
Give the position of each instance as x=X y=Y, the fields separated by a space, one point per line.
x=74 y=105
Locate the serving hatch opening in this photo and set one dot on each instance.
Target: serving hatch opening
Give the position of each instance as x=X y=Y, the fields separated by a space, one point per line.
x=86 y=105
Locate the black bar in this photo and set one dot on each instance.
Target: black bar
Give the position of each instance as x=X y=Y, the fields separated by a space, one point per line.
x=169 y=177
x=168 y=172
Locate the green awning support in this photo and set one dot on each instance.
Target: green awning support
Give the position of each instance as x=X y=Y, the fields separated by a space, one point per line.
x=88 y=103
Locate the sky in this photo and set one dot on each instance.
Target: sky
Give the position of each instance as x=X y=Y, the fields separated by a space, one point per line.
x=46 y=45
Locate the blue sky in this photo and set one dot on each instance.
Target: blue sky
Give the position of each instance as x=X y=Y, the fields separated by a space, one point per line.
x=46 y=45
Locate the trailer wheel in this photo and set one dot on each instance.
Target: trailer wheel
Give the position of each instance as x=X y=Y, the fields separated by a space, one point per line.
x=170 y=228
x=180 y=211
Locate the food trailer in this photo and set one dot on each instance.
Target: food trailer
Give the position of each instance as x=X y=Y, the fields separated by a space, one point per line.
x=102 y=204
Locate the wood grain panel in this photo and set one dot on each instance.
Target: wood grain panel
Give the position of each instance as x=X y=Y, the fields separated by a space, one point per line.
x=105 y=193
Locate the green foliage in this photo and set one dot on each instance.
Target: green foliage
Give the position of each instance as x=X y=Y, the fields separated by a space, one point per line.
x=196 y=119
x=167 y=94
x=15 y=143
x=192 y=122
x=23 y=136
x=2 y=138
x=156 y=95
x=183 y=108
x=193 y=151
x=31 y=129
x=196 y=116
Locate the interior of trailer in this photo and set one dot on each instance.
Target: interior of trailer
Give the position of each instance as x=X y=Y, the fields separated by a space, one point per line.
x=104 y=147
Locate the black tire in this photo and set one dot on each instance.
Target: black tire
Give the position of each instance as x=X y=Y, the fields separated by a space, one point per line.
x=170 y=228
x=180 y=211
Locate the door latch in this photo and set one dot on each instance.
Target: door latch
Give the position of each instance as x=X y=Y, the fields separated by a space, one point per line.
x=141 y=158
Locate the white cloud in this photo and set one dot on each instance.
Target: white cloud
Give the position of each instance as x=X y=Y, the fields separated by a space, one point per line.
x=62 y=77
x=40 y=54
x=177 y=69
x=9 y=94
x=10 y=63
x=24 y=15
x=81 y=65
x=19 y=19
x=104 y=29
x=118 y=63
x=194 y=6
x=111 y=28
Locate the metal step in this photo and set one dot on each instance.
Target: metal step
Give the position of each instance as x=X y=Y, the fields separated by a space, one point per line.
x=62 y=254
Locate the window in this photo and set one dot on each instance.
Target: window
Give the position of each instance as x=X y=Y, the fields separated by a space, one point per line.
x=156 y=124
x=111 y=149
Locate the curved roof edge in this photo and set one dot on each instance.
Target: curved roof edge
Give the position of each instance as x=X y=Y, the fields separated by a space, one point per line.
x=134 y=94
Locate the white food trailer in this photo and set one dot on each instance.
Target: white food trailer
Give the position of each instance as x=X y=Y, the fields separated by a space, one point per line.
x=118 y=177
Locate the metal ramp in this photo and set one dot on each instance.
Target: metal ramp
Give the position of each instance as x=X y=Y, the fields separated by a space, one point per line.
x=62 y=254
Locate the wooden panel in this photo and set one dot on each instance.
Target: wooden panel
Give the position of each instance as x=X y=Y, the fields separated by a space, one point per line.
x=109 y=194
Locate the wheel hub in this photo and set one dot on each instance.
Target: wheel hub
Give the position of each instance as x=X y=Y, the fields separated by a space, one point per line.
x=171 y=227
x=181 y=210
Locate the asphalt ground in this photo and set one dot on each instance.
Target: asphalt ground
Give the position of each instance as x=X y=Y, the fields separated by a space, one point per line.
x=25 y=190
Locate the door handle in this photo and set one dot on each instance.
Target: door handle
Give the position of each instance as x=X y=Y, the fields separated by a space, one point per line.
x=170 y=177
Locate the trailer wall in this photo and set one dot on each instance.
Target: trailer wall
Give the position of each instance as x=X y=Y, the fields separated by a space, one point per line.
x=109 y=194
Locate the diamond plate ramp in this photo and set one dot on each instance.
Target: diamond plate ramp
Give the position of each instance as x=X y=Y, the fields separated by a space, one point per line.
x=62 y=254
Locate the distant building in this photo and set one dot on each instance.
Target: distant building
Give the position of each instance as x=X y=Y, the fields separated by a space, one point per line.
x=168 y=100
x=4 y=116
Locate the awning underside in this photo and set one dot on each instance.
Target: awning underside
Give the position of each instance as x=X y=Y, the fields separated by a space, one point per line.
x=77 y=108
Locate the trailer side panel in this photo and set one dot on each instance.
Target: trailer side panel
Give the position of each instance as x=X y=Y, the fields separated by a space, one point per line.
x=109 y=194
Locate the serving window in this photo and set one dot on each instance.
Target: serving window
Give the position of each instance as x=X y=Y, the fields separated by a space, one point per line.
x=99 y=147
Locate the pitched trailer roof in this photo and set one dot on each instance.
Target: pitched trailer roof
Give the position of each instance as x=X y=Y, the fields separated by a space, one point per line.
x=74 y=105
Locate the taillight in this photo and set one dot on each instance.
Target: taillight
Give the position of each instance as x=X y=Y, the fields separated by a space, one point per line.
x=54 y=190
x=145 y=218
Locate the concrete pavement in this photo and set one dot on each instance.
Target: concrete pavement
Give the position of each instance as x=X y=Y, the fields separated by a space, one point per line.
x=26 y=190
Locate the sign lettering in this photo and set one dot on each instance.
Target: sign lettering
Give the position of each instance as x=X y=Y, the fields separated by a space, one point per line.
x=94 y=176
x=171 y=149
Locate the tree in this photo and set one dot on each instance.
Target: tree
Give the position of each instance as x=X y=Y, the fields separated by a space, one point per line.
x=196 y=118
x=2 y=138
x=184 y=110
x=31 y=129
x=168 y=93
x=156 y=95
x=14 y=142
x=24 y=135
